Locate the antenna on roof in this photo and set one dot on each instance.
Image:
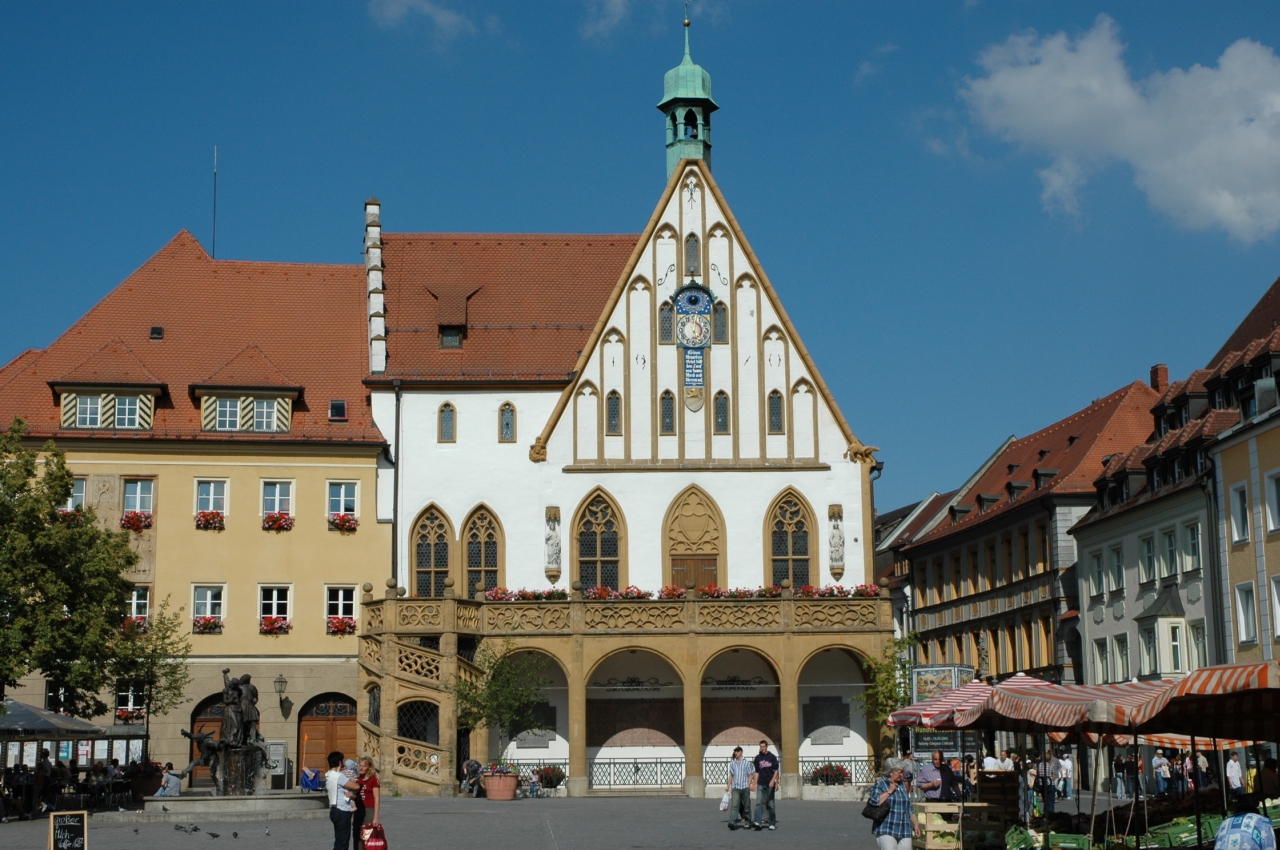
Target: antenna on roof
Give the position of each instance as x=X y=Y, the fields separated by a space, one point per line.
x=215 y=202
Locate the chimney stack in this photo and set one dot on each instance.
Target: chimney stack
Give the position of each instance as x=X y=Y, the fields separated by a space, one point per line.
x=373 y=279
x=1160 y=377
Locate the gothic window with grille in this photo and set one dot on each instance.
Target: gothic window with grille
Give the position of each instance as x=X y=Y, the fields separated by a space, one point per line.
x=719 y=323
x=692 y=255
x=721 y=412
x=375 y=705
x=667 y=412
x=431 y=551
x=448 y=428
x=666 y=323
x=507 y=423
x=789 y=526
x=419 y=720
x=613 y=413
x=599 y=544
x=481 y=538
x=776 y=425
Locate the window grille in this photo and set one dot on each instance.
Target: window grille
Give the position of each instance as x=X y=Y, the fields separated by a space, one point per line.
x=667 y=413
x=775 y=413
x=481 y=536
x=613 y=413
x=666 y=323
x=599 y=545
x=507 y=423
x=448 y=423
x=721 y=412
x=719 y=323
x=790 y=542
x=432 y=550
x=419 y=720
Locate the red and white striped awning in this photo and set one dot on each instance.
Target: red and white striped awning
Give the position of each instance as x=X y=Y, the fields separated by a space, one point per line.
x=1112 y=708
x=1174 y=742
x=1227 y=701
x=938 y=712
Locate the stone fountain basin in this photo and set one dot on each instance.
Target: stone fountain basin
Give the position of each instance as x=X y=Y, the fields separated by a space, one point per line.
x=190 y=808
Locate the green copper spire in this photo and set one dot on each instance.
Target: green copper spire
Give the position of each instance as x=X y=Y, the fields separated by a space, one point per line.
x=687 y=104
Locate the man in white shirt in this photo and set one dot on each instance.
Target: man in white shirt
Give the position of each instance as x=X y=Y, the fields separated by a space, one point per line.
x=1065 y=769
x=1006 y=763
x=1160 y=767
x=336 y=784
x=1235 y=780
x=991 y=762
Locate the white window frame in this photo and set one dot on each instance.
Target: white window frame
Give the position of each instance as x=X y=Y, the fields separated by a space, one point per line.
x=133 y=696
x=1150 y=649
x=1199 y=643
x=1272 y=479
x=290 y=499
x=1246 y=615
x=275 y=602
x=1178 y=647
x=1193 y=547
x=139 y=604
x=1117 y=568
x=1101 y=661
x=264 y=414
x=221 y=602
x=126 y=407
x=1097 y=575
x=1240 y=513
x=1275 y=605
x=88 y=411
x=328 y=496
x=1167 y=569
x=226 y=495
x=1120 y=651
x=223 y=406
x=1147 y=560
x=329 y=591
x=139 y=497
x=75 y=502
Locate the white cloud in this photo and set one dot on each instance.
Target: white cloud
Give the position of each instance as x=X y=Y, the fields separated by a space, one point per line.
x=603 y=17
x=446 y=24
x=868 y=69
x=1203 y=143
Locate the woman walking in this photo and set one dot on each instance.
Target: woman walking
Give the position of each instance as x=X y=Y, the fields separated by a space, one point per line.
x=895 y=830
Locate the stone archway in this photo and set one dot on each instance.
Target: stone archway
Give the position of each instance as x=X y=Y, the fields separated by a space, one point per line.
x=741 y=706
x=833 y=727
x=635 y=721
x=326 y=723
x=694 y=541
x=548 y=741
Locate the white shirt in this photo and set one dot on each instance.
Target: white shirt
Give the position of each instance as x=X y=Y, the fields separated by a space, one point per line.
x=1006 y=764
x=990 y=763
x=1065 y=766
x=1233 y=773
x=334 y=783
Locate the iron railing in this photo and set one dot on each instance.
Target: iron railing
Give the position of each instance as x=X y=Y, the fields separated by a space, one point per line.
x=858 y=770
x=631 y=773
x=528 y=766
x=715 y=771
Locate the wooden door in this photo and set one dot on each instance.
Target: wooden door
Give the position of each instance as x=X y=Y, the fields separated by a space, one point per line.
x=206 y=718
x=703 y=571
x=325 y=724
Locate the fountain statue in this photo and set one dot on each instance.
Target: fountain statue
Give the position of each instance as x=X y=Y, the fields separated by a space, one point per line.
x=237 y=758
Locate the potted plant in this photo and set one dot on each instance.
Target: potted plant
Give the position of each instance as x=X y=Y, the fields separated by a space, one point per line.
x=345 y=523
x=277 y=521
x=210 y=521
x=340 y=625
x=206 y=625
x=147 y=781
x=135 y=521
x=500 y=781
x=274 y=626
x=549 y=776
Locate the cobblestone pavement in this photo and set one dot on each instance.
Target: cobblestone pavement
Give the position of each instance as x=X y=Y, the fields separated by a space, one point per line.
x=546 y=824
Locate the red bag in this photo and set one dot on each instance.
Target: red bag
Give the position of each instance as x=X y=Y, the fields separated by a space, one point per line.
x=373 y=837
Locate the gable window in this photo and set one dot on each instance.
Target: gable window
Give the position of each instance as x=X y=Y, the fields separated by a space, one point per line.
x=211 y=496
x=666 y=323
x=76 y=501
x=274 y=602
x=137 y=494
x=1148 y=561
x=448 y=424
x=139 y=604
x=719 y=323
x=228 y=414
x=1170 y=554
x=1192 y=535
x=1240 y=513
x=775 y=413
x=1120 y=645
x=88 y=408
x=451 y=335
x=481 y=539
x=337 y=410
x=264 y=414
x=340 y=602
x=126 y=411
x=277 y=497
x=789 y=527
x=1100 y=668
x=692 y=255
x=507 y=423
x=721 y=412
x=208 y=600
x=667 y=413
x=599 y=544
x=431 y=551
x=1246 y=614
x=613 y=413
x=1097 y=578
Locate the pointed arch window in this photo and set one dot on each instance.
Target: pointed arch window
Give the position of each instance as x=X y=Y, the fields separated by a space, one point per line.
x=483 y=541
x=690 y=124
x=721 y=412
x=600 y=542
x=507 y=423
x=692 y=255
x=667 y=412
x=613 y=413
x=776 y=420
x=720 y=323
x=666 y=323
x=789 y=529
x=448 y=424
x=431 y=553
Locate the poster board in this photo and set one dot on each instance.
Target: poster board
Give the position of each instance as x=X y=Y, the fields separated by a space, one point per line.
x=68 y=831
x=277 y=758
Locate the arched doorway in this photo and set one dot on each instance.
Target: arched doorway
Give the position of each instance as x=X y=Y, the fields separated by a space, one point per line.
x=694 y=540
x=326 y=723
x=635 y=721
x=741 y=706
x=547 y=741
x=833 y=728
x=205 y=717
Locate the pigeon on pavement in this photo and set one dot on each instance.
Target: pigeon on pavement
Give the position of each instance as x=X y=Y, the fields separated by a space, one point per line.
x=213 y=834
x=163 y=808
x=235 y=835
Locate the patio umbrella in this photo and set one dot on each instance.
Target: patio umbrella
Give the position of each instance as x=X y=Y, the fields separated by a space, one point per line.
x=1226 y=701
x=26 y=721
x=937 y=711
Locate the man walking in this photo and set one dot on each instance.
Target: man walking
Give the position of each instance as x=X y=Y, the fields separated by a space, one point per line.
x=341 y=806
x=1235 y=778
x=739 y=785
x=1066 y=771
x=1160 y=767
x=766 y=765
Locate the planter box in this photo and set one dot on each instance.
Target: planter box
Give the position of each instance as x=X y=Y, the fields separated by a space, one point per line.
x=500 y=786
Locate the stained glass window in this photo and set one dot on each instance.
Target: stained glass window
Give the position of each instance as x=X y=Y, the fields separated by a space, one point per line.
x=721 y=412
x=613 y=413
x=719 y=323
x=775 y=413
x=431 y=550
x=599 y=544
x=666 y=323
x=667 y=413
x=789 y=543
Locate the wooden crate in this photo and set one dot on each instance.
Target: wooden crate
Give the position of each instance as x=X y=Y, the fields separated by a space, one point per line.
x=930 y=833
x=998 y=789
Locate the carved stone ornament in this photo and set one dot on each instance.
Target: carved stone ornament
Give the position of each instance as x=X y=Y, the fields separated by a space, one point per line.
x=552 y=540
x=694 y=397
x=836 y=540
x=862 y=454
x=694 y=529
x=538 y=452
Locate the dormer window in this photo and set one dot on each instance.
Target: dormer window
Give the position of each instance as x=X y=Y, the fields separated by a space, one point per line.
x=228 y=414
x=265 y=415
x=88 y=410
x=337 y=410
x=1217 y=399
x=451 y=335
x=107 y=410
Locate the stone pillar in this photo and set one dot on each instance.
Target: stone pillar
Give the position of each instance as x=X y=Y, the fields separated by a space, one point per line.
x=694 y=784
x=789 y=746
x=577 y=783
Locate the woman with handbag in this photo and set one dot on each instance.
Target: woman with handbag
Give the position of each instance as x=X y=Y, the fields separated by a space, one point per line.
x=889 y=808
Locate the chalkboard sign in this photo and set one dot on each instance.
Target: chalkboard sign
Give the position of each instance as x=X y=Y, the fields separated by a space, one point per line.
x=69 y=831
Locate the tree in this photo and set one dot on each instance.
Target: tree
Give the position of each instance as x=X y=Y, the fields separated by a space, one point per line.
x=507 y=692
x=62 y=595
x=152 y=658
x=889 y=678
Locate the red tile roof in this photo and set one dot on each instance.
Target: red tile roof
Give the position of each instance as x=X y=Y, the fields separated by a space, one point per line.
x=249 y=368
x=114 y=363
x=1073 y=446
x=307 y=320
x=1259 y=323
x=529 y=300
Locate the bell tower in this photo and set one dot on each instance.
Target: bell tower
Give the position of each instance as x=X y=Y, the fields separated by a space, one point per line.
x=687 y=106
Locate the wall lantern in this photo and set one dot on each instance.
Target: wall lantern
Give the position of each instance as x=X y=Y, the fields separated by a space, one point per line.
x=286 y=704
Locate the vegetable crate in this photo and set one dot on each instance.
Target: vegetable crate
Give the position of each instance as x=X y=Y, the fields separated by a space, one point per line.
x=936 y=832
x=1067 y=841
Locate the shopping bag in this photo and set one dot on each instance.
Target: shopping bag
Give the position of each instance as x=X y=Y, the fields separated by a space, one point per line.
x=373 y=837
x=724 y=802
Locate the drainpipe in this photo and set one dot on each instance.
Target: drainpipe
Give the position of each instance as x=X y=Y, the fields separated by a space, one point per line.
x=395 y=492
x=1213 y=599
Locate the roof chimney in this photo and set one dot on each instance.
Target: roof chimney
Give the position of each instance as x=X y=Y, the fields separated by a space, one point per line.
x=373 y=278
x=1160 y=377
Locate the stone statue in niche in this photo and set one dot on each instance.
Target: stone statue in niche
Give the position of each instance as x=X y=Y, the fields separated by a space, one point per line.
x=836 y=514
x=552 y=541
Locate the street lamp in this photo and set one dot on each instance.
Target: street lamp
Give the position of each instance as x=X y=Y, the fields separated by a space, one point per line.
x=286 y=704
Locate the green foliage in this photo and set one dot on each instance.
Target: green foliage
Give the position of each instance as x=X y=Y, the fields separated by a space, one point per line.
x=62 y=596
x=154 y=659
x=889 y=679
x=507 y=692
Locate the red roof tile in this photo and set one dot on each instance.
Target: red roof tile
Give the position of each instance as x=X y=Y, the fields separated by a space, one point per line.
x=529 y=300
x=114 y=363
x=307 y=319
x=249 y=368
x=1259 y=323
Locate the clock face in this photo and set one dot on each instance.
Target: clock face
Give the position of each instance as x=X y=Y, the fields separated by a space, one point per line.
x=693 y=331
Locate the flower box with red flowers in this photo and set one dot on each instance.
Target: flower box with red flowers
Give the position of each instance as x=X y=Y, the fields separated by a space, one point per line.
x=135 y=521
x=503 y=594
x=277 y=521
x=206 y=625
x=274 y=626
x=548 y=776
x=73 y=515
x=868 y=591
x=671 y=591
x=128 y=715
x=211 y=521
x=346 y=523
x=831 y=774
x=340 y=625
x=831 y=591
x=135 y=625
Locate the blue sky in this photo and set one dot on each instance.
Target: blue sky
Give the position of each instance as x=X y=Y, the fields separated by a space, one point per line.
x=980 y=215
